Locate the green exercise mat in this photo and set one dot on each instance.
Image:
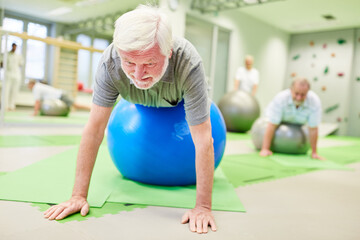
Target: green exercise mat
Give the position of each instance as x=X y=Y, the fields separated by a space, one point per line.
x=51 y=181
x=305 y=161
x=78 y=118
x=224 y=197
x=341 y=154
x=40 y=140
x=107 y=208
x=245 y=169
x=237 y=136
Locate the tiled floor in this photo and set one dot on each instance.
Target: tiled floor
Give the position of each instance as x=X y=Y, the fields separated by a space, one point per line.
x=317 y=205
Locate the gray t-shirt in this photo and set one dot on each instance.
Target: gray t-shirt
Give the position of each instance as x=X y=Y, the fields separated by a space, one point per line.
x=183 y=79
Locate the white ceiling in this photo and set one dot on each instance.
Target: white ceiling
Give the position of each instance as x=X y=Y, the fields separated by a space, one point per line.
x=296 y=16
x=293 y=16
x=80 y=9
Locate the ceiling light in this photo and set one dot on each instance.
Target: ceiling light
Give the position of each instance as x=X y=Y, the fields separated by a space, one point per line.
x=59 y=11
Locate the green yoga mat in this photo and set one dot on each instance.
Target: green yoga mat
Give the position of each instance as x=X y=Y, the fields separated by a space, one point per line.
x=245 y=169
x=37 y=141
x=79 y=118
x=237 y=136
x=40 y=140
x=306 y=162
x=51 y=181
x=107 y=208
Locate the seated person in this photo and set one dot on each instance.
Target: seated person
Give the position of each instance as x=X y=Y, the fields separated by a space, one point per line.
x=43 y=91
x=297 y=105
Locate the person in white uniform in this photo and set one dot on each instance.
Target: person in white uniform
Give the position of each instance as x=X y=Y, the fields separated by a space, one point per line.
x=247 y=78
x=297 y=105
x=13 y=77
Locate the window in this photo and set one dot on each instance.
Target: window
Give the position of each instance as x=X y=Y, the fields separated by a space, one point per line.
x=84 y=61
x=99 y=44
x=13 y=25
x=87 y=62
x=36 y=52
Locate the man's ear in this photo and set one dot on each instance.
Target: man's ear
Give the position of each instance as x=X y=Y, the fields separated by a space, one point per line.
x=171 y=51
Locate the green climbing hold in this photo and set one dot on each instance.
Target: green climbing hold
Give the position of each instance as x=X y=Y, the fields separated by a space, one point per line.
x=341 y=41
x=326 y=70
x=296 y=57
x=332 y=108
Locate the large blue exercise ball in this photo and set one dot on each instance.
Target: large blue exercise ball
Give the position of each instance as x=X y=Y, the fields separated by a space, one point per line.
x=154 y=145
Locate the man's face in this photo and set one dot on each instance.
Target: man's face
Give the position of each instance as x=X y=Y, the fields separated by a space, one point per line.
x=144 y=68
x=299 y=92
x=248 y=63
x=13 y=48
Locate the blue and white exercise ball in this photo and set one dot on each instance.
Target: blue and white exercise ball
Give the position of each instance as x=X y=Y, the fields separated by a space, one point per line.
x=154 y=145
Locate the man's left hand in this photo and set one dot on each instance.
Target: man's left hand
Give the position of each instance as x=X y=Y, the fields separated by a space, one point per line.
x=316 y=156
x=199 y=219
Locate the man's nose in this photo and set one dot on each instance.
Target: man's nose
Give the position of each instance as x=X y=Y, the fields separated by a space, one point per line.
x=139 y=72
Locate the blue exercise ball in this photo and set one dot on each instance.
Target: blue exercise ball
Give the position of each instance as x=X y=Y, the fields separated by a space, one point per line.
x=154 y=145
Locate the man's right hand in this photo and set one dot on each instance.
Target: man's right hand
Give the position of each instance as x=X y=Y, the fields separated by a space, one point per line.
x=265 y=152
x=75 y=204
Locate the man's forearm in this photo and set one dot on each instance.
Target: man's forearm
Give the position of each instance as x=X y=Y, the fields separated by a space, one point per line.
x=88 y=150
x=36 y=107
x=204 y=175
x=236 y=84
x=313 y=135
x=268 y=136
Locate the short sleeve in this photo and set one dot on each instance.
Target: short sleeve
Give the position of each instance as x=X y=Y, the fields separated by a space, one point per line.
x=105 y=92
x=274 y=111
x=315 y=115
x=197 y=104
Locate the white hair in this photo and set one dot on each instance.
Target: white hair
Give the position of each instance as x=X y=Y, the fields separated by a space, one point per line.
x=141 y=29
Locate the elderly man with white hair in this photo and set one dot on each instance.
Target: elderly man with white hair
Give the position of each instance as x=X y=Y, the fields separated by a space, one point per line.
x=145 y=65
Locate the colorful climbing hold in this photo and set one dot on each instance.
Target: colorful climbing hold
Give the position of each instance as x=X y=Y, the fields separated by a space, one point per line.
x=332 y=108
x=323 y=88
x=326 y=70
x=311 y=43
x=296 y=57
x=293 y=74
x=341 y=41
x=324 y=45
x=340 y=74
x=333 y=55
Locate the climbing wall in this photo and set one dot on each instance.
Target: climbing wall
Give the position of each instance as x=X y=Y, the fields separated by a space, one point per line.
x=354 y=113
x=326 y=60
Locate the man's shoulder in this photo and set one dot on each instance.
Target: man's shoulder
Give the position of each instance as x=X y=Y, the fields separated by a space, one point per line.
x=184 y=49
x=109 y=54
x=313 y=98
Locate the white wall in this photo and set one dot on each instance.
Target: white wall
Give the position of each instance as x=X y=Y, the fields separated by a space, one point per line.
x=267 y=44
x=310 y=55
x=354 y=110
